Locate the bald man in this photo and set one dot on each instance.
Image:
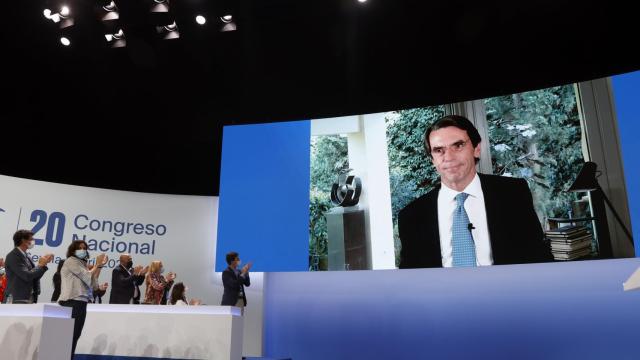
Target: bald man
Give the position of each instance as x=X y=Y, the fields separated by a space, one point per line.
x=125 y=280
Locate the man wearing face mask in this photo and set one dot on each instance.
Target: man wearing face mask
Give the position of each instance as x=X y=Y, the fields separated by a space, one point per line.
x=125 y=282
x=234 y=280
x=23 y=275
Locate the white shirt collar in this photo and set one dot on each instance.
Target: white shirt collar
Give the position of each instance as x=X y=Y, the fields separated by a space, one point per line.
x=474 y=189
x=23 y=252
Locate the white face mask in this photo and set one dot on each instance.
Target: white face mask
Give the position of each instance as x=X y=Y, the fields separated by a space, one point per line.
x=31 y=244
x=1 y=271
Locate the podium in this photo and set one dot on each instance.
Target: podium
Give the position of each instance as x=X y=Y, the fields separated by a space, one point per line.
x=35 y=332
x=161 y=331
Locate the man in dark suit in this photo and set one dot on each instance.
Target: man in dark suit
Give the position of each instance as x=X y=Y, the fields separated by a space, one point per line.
x=23 y=276
x=470 y=219
x=125 y=282
x=234 y=281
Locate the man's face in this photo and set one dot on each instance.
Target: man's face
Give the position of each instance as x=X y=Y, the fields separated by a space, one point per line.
x=125 y=260
x=236 y=262
x=29 y=242
x=454 y=156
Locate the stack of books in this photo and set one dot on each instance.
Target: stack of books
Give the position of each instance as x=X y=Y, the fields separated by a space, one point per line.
x=570 y=242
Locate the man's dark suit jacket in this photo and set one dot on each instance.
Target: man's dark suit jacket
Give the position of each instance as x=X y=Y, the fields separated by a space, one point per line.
x=123 y=286
x=23 y=278
x=514 y=230
x=234 y=283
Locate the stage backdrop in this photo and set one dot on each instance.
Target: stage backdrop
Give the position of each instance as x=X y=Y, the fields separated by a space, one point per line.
x=625 y=92
x=179 y=230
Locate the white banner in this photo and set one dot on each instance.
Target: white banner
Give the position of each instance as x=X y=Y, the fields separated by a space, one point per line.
x=179 y=230
x=176 y=229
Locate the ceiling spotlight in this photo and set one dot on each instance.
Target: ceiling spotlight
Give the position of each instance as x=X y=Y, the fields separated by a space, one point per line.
x=111 y=12
x=110 y=6
x=168 y=32
x=65 y=41
x=63 y=18
x=48 y=14
x=201 y=20
x=116 y=40
x=227 y=23
x=117 y=36
x=171 y=27
x=362 y=1
x=160 y=6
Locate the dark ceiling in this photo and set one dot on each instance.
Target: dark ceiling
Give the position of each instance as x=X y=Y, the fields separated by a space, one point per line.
x=148 y=117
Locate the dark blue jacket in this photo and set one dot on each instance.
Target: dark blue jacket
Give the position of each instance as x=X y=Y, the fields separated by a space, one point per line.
x=234 y=283
x=514 y=230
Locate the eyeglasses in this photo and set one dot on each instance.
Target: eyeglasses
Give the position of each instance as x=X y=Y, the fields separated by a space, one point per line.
x=456 y=147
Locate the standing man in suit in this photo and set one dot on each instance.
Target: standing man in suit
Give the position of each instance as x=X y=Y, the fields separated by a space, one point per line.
x=470 y=219
x=23 y=276
x=125 y=282
x=234 y=281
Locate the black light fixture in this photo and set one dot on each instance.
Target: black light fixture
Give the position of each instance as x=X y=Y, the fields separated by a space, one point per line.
x=162 y=17
x=228 y=23
x=587 y=181
x=168 y=32
x=117 y=39
x=226 y=12
x=110 y=11
x=109 y=14
x=159 y=6
x=61 y=15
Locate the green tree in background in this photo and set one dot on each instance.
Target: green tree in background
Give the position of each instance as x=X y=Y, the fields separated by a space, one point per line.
x=329 y=157
x=536 y=135
x=411 y=172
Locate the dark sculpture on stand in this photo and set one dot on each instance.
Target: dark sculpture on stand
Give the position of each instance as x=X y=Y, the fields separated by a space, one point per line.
x=346 y=192
x=346 y=230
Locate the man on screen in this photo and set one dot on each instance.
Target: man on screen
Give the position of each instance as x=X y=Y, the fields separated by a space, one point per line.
x=470 y=219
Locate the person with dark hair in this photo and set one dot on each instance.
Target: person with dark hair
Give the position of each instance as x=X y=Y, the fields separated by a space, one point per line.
x=469 y=219
x=179 y=296
x=125 y=281
x=23 y=276
x=234 y=281
x=78 y=283
x=56 y=282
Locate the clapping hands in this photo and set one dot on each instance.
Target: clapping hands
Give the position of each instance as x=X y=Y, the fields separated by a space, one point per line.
x=44 y=260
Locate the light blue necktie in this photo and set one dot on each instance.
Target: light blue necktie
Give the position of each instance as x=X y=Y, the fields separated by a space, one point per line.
x=464 y=249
